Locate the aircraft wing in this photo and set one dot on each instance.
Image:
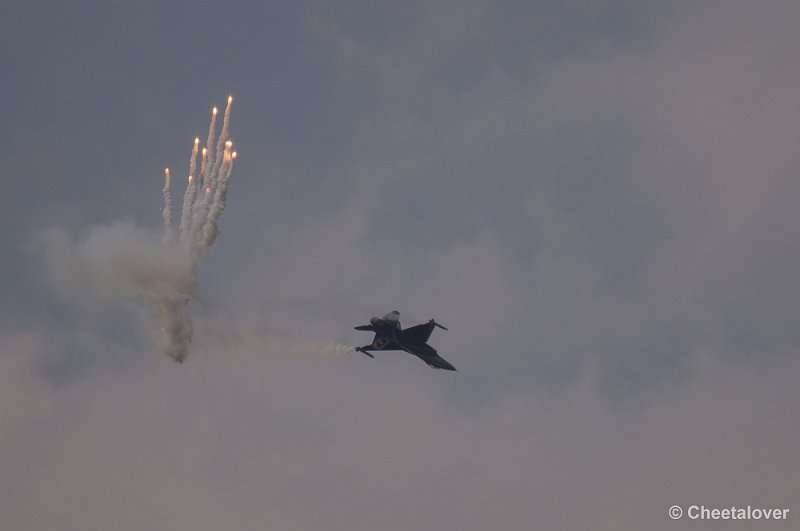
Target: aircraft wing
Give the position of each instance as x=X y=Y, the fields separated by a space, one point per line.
x=419 y=334
x=384 y=343
x=437 y=362
x=416 y=335
x=429 y=355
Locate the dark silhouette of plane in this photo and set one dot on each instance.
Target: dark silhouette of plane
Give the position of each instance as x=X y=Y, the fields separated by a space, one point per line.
x=390 y=336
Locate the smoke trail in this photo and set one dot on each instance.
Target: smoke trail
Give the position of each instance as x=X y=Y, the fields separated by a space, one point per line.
x=175 y=326
x=235 y=339
x=212 y=131
x=226 y=121
x=208 y=152
x=186 y=209
x=206 y=162
x=222 y=143
x=210 y=229
x=219 y=181
x=193 y=157
x=199 y=211
x=166 y=212
x=188 y=196
x=201 y=178
x=199 y=216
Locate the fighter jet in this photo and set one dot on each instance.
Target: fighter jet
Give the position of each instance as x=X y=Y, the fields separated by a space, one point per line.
x=390 y=336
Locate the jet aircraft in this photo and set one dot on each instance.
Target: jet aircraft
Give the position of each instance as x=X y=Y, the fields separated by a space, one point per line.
x=390 y=336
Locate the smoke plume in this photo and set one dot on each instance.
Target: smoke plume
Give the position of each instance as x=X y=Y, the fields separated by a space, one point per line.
x=159 y=272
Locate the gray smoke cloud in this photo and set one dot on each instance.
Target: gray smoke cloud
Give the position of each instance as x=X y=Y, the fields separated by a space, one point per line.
x=122 y=261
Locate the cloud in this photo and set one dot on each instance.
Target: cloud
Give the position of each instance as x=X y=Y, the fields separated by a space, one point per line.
x=242 y=443
x=26 y=397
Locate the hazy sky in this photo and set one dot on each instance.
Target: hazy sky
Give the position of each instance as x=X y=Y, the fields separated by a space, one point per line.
x=598 y=198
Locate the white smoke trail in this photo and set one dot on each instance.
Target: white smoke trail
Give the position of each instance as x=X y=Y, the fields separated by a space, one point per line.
x=186 y=209
x=199 y=211
x=208 y=151
x=218 y=184
x=217 y=205
x=243 y=341
x=166 y=212
x=202 y=177
x=226 y=122
x=212 y=131
x=193 y=157
x=206 y=162
x=222 y=144
x=199 y=216
x=188 y=196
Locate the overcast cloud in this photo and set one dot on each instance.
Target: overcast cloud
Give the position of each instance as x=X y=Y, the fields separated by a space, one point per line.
x=597 y=198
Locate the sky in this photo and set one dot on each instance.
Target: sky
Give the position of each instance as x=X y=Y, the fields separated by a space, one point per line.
x=597 y=198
